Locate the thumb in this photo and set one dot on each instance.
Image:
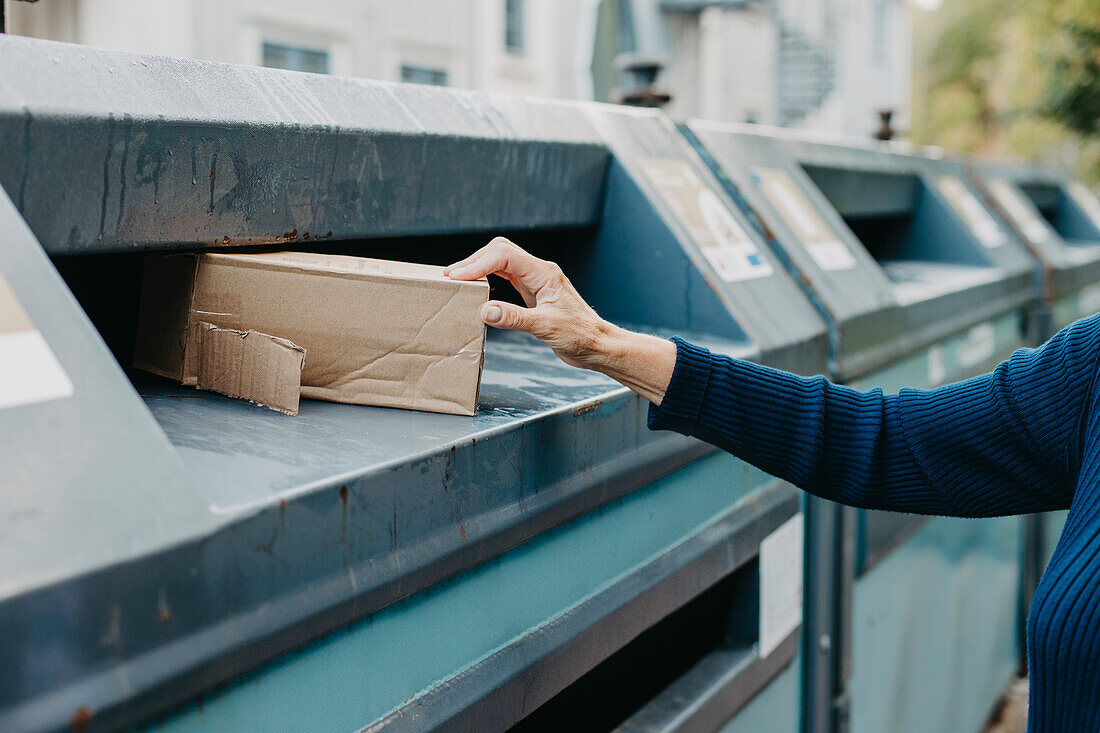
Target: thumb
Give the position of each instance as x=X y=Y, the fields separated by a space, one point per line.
x=509 y=316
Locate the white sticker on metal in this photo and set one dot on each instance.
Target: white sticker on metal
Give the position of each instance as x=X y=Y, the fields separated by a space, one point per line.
x=967 y=206
x=722 y=240
x=29 y=371
x=819 y=240
x=780 y=584
x=937 y=367
x=1022 y=214
x=1087 y=200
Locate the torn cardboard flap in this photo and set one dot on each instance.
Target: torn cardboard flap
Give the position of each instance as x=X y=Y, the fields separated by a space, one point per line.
x=377 y=332
x=250 y=365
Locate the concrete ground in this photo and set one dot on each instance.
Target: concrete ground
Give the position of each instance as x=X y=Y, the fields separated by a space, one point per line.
x=1011 y=716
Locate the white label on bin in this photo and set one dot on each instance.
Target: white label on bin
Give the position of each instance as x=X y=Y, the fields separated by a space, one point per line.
x=819 y=240
x=1087 y=200
x=780 y=584
x=29 y=372
x=967 y=206
x=1019 y=211
x=937 y=366
x=722 y=240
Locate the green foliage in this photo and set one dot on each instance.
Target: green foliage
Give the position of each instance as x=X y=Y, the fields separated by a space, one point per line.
x=1073 y=96
x=1019 y=77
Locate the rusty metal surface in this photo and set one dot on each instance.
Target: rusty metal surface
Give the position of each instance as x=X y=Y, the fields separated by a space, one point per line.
x=111 y=151
x=316 y=521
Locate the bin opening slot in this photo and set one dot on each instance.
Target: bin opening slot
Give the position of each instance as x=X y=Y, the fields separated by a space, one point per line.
x=725 y=616
x=239 y=454
x=897 y=217
x=108 y=286
x=1072 y=210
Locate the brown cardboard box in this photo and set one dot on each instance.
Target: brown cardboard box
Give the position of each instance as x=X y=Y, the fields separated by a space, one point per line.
x=374 y=332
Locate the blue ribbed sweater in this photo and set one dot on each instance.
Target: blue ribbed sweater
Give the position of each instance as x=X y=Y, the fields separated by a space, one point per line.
x=1023 y=438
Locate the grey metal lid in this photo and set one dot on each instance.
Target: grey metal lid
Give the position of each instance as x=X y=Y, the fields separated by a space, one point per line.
x=1057 y=218
x=934 y=262
x=111 y=151
x=735 y=274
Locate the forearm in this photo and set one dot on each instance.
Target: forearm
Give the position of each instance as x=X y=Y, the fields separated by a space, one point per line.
x=639 y=361
x=1006 y=442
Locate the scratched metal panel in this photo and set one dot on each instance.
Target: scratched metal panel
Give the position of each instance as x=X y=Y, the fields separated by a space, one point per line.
x=483 y=650
x=310 y=523
x=87 y=480
x=76 y=464
x=934 y=629
x=111 y=151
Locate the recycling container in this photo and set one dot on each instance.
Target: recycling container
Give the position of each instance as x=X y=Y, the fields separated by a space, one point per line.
x=178 y=560
x=1058 y=219
x=920 y=286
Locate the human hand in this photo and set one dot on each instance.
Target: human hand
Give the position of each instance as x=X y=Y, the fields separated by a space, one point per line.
x=558 y=316
x=555 y=313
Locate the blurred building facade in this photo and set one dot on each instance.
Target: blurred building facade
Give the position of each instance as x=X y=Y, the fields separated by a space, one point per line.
x=825 y=65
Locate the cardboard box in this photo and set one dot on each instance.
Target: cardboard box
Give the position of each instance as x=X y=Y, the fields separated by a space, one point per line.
x=373 y=332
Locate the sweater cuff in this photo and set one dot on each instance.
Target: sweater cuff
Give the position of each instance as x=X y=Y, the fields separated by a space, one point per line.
x=679 y=409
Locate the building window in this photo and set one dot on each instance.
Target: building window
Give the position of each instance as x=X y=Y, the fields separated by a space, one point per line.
x=295 y=58
x=514 y=41
x=424 y=75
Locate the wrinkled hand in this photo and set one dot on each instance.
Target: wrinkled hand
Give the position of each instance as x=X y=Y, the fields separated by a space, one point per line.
x=555 y=313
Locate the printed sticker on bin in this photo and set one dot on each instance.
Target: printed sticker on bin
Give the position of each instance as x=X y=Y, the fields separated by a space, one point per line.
x=967 y=206
x=819 y=240
x=29 y=371
x=719 y=236
x=1022 y=215
x=780 y=584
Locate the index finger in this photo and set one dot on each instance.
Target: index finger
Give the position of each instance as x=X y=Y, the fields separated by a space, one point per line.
x=503 y=257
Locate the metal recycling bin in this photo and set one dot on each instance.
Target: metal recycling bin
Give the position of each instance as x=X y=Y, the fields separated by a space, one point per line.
x=1058 y=219
x=178 y=560
x=651 y=160
x=920 y=286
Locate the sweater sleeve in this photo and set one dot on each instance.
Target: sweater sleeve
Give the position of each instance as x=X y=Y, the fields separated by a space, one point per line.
x=1006 y=442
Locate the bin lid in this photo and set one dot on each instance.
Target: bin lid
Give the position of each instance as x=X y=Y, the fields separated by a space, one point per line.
x=1069 y=263
x=939 y=263
x=746 y=279
x=119 y=151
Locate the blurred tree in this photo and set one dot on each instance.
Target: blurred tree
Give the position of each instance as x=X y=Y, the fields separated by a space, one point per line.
x=1019 y=77
x=1073 y=96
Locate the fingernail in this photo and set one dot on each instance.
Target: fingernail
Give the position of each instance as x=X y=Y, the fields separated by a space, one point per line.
x=493 y=314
